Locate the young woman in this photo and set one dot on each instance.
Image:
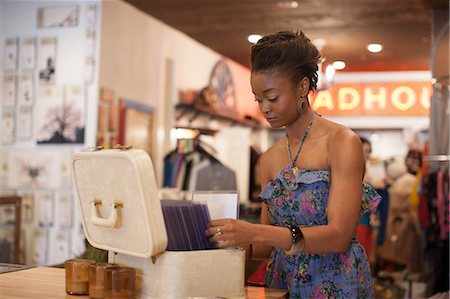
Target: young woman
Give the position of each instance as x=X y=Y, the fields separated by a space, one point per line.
x=311 y=183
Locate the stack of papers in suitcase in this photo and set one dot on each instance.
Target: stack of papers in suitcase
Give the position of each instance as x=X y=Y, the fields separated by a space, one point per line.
x=186 y=223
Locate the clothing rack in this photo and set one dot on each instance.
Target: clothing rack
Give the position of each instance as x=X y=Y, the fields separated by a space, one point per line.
x=437 y=158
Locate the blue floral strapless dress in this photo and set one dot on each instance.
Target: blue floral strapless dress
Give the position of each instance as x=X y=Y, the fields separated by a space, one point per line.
x=299 y=197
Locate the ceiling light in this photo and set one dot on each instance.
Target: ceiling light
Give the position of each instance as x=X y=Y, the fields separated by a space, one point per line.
x=339 y=65
x=288 y=4
x=254 y=38
x=374 y=48
x=182 y=133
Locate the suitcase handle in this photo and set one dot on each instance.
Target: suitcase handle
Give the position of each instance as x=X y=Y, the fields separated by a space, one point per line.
x=98 y=220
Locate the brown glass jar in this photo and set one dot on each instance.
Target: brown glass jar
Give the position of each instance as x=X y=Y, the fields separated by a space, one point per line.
x=77 y=276
x=97 y=279
x=120 y=282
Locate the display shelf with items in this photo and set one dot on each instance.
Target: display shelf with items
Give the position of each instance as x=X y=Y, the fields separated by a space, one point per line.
x=192 y=111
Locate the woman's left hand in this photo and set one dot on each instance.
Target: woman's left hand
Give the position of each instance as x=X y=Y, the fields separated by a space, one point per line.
x=230 y=232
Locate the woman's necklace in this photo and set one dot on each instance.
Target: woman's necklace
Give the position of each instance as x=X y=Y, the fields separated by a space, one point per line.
x=301 y=142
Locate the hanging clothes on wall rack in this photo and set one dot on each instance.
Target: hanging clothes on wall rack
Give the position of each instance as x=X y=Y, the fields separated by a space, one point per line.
x=434 y=217
x=191 y=167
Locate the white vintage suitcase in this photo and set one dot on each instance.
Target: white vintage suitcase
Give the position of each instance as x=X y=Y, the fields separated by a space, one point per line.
x=122 y=213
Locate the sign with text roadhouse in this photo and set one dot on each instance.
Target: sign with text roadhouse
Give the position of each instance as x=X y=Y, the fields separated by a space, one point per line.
x=356 y=99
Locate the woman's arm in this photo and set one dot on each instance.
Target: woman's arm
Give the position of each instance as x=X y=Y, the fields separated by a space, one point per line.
x=346 y=161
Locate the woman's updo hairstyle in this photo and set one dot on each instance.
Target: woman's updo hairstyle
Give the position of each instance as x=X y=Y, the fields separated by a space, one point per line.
x=291 y=54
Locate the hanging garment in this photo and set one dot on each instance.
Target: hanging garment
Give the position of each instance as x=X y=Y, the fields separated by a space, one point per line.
x=442 y=206
x=194 y=173
x=169 y=162
x=402 y=244
x=446 y=191
x=216 y=176
x=383 y=211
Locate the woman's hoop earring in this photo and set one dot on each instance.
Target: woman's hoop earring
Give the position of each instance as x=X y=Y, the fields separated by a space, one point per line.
x=302 y=105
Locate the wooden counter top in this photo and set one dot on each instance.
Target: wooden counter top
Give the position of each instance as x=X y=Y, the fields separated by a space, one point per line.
x=49 y=283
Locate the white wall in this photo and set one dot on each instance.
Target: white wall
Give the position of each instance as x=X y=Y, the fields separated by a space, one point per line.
x=52 y=243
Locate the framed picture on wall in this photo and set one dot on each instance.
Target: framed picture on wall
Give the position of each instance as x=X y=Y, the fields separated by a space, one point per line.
x=57 y=16
x=7 y=127
x=64 y=210
x=136 y=125
x=106 y=95
x=24 y=123
x=10 y=53
x=47 y=60
x=26 y=89
x=40 y=250
x=9 y=89
x=28 y=55
x=46 y=208
x=60 y=115
x=113 y=117
x=34 y=169
x=27 y=206
x=102 y=117
x=106 y=132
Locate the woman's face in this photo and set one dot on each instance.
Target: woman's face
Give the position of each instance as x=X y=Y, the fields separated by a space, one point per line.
x=276 y=96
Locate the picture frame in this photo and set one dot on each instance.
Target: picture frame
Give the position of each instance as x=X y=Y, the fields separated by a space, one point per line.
x=24 y=123
x=26 y=89
x=136 y=125
x=106 y=118
x=9 y=89
x=61 y=115
x=28 y=53
x=102 y=117
x=8 y=127
x=10 y=214
x=47 y=60
x=58 y=16
x=10 y=52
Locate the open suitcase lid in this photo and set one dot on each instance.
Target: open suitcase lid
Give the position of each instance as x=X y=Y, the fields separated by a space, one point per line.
x=119 y=201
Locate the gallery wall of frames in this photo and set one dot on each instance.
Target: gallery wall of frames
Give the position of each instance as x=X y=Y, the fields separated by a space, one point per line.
x=49 y=72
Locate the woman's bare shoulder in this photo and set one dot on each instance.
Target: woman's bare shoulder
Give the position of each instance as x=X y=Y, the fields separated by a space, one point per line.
x=272 y=160
x=343 y=146
x=337 y=133
x=338 y=139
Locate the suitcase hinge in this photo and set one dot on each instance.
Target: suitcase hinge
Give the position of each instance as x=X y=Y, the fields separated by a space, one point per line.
x=123 y=147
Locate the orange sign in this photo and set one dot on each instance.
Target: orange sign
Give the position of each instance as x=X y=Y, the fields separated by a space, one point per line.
x=403 y=98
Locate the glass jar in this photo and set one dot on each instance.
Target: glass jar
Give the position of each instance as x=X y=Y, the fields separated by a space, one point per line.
x=97 y=279
x=77 y=276
x=120 y=282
